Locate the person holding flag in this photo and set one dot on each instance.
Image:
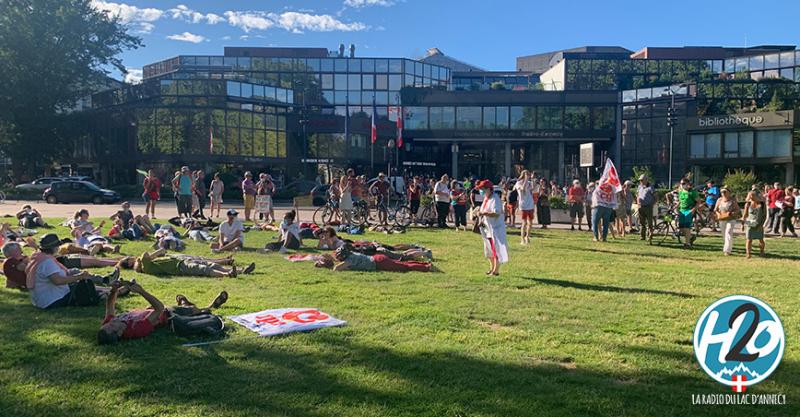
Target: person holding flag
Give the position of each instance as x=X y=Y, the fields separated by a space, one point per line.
x=604 y=200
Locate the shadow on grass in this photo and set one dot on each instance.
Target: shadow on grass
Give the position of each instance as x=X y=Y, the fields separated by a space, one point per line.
x=606 y=288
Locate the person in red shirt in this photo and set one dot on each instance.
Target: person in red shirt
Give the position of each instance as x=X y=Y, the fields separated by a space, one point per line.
x=140 y=323
x=152 y=193
x=775 y=198
x=575 y=197
x=414 y=195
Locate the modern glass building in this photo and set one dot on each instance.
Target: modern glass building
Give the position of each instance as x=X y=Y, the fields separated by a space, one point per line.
x=307 y=111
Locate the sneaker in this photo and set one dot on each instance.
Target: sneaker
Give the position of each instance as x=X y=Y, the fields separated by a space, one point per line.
x=572 y=228
x=111 y=277
x=250 y=268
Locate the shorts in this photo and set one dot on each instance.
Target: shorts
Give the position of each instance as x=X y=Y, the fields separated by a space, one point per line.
x=249 y=201
x=414 y=205
x=576 y=210
x=70 y=261
x=527 y=214
x=511 y=207
x=151 y=197
x=684 y=219
x=195 y=268
x=184 y=203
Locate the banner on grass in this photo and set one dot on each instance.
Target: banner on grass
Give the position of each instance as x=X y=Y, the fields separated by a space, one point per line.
x=286 y=320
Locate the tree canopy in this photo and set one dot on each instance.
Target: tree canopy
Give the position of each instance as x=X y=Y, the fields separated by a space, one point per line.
x=52 y=54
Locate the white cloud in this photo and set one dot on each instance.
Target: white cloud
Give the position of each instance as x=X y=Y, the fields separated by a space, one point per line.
x=226 y=38
x=187 y=37
x=184 y=13
x=299 y=22
x=127 y=13
x=142 y=27
x=133 y=75
x=366 y=3
x=248 y=21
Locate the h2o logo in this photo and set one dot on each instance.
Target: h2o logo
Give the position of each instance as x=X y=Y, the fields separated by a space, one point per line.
x=739 y=341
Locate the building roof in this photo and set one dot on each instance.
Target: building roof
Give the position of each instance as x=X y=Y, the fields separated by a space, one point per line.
x=435 y=56
x=706 y=52
x=540 y=63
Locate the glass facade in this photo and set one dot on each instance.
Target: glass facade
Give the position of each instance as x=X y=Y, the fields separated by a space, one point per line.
x=510 y=117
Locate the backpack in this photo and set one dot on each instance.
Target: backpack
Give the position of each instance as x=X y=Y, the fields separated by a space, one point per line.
x=203 y=324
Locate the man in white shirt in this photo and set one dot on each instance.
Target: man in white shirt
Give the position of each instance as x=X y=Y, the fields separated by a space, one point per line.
x=231 y=234
x=441 y=194
x=52 y=285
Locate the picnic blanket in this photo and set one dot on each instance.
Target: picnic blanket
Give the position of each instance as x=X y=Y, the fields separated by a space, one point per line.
x=286 y=320
x=303 y=257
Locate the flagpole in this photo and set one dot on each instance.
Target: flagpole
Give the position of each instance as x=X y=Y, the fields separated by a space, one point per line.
x=371 y=142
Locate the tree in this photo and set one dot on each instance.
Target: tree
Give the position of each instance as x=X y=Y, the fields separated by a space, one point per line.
x=739 y=182
x=52 y=54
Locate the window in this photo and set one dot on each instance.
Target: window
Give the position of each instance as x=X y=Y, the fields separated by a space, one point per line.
x=713 y=145
x=576 y=117
x=549 y=117
x=502 y=117
x=354 y=65
x=327 y=81
x=468 y=117
x=381 y=65
x=396 y=65
x=354 y=81
x=697 y=146
x=340 y=65
x=441 y=117
x=489 y=114
x=395 y=82
x=602 y=118
x=234 y=89
x=367 y=81
x=340 y=81
x=381 y=82
x=773 y=143
x=416 y=118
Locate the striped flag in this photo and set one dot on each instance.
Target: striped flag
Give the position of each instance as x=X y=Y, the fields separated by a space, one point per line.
x=210 y=139
x=400 y=127
x=374 y=131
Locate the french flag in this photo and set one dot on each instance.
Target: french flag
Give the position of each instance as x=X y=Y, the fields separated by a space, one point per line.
x=399 y=127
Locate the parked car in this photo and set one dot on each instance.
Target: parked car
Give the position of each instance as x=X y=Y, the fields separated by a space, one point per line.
x=40 y=184
x=319 y=195
x=79 y=192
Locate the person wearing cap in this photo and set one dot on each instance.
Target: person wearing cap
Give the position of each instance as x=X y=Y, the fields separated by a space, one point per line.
x=248 y=194
x=231 y=234
x=575 y=198
x=526 y=204
x=182 y=184
x=52 y=285
x=646 y=199
x=727 y=212
x=493 y=228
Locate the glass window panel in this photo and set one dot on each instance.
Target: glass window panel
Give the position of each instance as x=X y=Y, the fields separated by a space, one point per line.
x=576 y=117
x=354 y=81
x=516 y=116
x=312 y=65
x=381 y=65
x=746 y=144
x=697 y=146
x=354 y=65
x=381 y=98
x=272 y=144
x=247 y=90
x=731 y=145
x=327 y=81
x=354 y=97
x=468 y=117
x=234 y=89
x=340 y=82
x=340 y=97
x=259 y=143
x=381 y=82
x=395 y=82
x=757 y=62
x=730 y=66
x=773 y=143
x=489 y=114
x=549 y=117
x=741 y=64
x=416 y=118
x=367 y=97
x=368 y=65
x=395 y=65
x=772 y=61
x=368 y=81
x=326 y=65
x=713 y=145
x=502 y=117
x=787 y=73
x=340 y=65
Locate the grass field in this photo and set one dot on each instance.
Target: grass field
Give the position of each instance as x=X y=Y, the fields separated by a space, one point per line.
x=571 y=328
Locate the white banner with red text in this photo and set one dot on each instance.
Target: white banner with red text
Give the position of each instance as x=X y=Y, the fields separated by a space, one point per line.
x=286 y=320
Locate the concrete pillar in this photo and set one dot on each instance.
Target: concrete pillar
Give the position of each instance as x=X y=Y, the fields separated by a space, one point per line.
x=454 y=150
x=790 y=174
x=507 y=162
x=560 y=176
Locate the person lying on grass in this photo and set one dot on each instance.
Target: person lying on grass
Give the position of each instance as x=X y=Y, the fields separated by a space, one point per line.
x=139 y=323
x=52 y=284
x=345 y=259
x=328 y=239
x=30 y=218
x=159 y=263
x=231 y=234
x=88 y=237
x=77 y=260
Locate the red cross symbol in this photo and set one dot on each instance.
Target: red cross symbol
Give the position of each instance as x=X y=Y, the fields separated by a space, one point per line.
x=739 y=383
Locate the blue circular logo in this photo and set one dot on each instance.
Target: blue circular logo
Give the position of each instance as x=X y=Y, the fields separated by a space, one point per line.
x=739 y=341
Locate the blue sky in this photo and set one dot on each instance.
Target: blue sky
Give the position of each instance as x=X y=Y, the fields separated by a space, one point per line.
x=489 y=34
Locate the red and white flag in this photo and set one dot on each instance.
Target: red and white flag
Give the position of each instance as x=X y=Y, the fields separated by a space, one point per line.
x=739 y=385
x=400 y=127
x=608 y=185
x=374 y=131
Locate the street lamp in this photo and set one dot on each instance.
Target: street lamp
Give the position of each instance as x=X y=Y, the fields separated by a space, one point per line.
x=671 y=121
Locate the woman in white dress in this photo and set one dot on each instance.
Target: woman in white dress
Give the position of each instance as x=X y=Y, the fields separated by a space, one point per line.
x=345 y=200
x=493 y=228
x=215 y=194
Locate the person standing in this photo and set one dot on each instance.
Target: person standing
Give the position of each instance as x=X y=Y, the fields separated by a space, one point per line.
x=604 y=201
x=182 y=184
x=441 y=194
x=587 y=204
x=248 y=194
x=414 y=194
x=712 y=195
x=215 y=193
x=688 y=201
x=787 y=212
x=543 y=205
x=726 y=211
x=753 y=218
x=493 y=228
x=524 y=190
x=152 y=193
x=576 y=197
x=646 y=199
x=458 y=199
x=775 y=198
x=624 y=198
x=346 y=199
x=265 y=188
x=200 y=192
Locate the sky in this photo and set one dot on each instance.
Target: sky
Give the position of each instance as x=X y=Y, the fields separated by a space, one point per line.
x=488 y=34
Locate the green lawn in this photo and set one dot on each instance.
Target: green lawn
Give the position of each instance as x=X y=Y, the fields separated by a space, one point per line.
x=571 y=328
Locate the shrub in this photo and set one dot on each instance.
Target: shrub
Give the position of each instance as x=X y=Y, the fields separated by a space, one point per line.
x=558 y=203
x=739 y=182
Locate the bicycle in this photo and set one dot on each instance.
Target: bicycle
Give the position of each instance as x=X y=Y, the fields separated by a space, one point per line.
x=665 y=227
x=326 y=214
x=399 y=213
x=426 y=212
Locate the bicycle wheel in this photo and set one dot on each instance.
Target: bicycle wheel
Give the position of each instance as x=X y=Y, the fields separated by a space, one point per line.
x=359 y=216
x=424 y=217
x=661 y=232
x=322 y=215
x=402 y=217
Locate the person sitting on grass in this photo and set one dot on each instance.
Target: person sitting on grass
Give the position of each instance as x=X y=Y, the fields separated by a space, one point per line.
x=231 y=234
x=346 y=259
x=168 y=238
x=290 y=234
x=139 y=323
x=160 y=264
x=14 y=266
x=30 y=218
x=130 y=220
x=88 y=237
x=52 y=285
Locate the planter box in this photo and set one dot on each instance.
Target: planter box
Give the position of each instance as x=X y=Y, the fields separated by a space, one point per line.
x=559 y=216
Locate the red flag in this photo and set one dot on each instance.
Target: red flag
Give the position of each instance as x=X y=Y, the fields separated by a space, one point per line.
x=610 y=177
x=374 y=132
x=400 y=127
